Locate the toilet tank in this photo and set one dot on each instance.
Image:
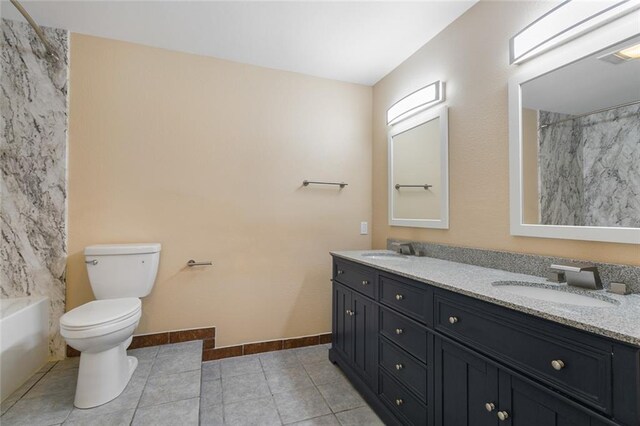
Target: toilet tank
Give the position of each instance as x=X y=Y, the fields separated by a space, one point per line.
x=122 y=270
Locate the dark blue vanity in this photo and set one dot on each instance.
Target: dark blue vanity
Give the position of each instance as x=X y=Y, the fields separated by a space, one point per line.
x=421 y=354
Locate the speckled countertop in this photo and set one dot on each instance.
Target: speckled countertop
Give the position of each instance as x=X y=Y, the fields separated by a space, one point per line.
x=620 y=321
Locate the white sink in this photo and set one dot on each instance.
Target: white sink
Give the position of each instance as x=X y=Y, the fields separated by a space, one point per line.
x=550 y=294
x=384 y=256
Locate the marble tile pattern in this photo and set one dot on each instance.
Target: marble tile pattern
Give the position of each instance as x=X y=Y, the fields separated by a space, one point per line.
x=619 y=322
x=611 y=170
x=33 y=154
x=560 y=171
x=529 y=264
x=589 y=169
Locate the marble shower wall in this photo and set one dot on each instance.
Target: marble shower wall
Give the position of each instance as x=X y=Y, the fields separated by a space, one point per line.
x=589 y=169
x=33 y=163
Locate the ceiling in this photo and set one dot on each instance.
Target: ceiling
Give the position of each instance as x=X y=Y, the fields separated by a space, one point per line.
x=587 y=85
x=358 y=42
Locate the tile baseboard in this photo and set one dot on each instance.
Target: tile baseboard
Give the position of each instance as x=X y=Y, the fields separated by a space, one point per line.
x=268 y=346
x=207 y=335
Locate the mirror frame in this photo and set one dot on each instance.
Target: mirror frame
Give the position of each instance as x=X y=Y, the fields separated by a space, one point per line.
x=440 y=113
x=597 y=40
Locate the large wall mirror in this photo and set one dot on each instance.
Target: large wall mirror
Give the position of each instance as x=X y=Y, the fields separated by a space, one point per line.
x=418 y=171
x=575 y=147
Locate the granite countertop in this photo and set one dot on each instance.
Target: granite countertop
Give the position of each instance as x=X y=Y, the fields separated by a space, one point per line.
x=620 y=322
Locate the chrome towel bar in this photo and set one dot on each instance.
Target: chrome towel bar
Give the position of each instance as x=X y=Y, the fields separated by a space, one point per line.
x=425 y=186
x=194 y=263
x=310 y=182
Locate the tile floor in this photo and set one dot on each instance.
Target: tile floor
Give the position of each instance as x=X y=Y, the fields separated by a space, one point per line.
x=172 y=387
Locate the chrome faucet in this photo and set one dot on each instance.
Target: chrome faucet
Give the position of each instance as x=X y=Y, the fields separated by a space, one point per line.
x=404 y=248
x=583 y=275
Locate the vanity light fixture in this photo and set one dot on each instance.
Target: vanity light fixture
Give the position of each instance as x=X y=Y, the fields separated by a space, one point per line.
x=563 y=23
x=622 y=55
x=415 y=102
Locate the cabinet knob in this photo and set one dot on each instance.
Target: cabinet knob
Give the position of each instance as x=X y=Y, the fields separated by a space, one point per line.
x=453 y=320
x=399 y=297
x=490 y=406
x=350 y=312
x=365 y=282
x=399 y=402
x=557 y=364
x=503 y=415
x=340 y=272
x=399 y=366
x=399 y=331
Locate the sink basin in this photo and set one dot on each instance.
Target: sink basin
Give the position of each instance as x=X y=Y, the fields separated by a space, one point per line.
x=551 y=294
x=384 y=256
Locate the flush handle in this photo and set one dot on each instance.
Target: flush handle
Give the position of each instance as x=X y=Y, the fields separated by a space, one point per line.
x=91 y=262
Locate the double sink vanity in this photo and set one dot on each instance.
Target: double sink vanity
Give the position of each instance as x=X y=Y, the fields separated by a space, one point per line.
x=434 y=342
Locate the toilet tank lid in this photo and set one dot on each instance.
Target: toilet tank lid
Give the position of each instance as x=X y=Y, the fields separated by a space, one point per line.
x=116 y=249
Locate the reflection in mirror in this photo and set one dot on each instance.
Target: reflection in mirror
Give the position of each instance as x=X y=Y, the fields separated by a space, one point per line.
x=581 y=142
x=417 y=172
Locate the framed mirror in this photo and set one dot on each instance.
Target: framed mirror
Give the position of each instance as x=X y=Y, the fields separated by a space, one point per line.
x=574 y=130
x=419 y=171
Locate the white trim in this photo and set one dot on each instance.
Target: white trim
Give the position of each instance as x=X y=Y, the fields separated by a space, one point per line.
x=601 y=39
x=416 y=120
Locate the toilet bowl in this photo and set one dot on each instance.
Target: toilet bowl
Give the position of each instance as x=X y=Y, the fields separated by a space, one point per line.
x=119 y=274
x=102 y=330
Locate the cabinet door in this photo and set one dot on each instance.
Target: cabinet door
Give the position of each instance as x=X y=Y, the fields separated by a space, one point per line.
x=528 y=405
x=465 y=384
x=365 y=337
x=342 y=321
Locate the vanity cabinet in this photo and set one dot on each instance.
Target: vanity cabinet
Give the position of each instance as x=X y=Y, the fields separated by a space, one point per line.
x=422 y=355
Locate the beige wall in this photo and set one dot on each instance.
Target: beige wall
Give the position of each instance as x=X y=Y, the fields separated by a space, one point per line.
x=416 y=161
x=471 y=55
x=207 y=157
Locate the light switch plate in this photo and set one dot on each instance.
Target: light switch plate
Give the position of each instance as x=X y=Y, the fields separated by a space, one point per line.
x=364 y=228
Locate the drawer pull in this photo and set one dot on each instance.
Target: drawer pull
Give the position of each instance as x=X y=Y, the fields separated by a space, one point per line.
x=399 y=297
x=490 y=406
x=340 y=272
x=350 y=312
x=503 y=415
x=365 y=282
x=557 y=364
x=453 y=320
x=399 y=366
x=399 y=402
x=399 y=331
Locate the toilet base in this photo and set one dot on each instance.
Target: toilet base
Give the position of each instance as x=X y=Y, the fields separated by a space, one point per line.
x=102 y=376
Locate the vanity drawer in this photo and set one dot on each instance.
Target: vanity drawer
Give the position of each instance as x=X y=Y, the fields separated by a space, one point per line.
x=560 y=357
x=404 y=368
x=406 y=406
x=414 y=300
x=358 y=278
x=405 y=333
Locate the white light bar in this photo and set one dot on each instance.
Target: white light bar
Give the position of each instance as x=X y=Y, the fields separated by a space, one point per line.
x=417 y=101
x=564 y=23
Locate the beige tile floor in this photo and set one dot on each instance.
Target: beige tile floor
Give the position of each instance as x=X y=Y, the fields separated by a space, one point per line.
x=171 y=387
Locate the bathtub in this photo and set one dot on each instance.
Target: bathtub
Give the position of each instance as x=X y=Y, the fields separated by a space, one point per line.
x=24 y=340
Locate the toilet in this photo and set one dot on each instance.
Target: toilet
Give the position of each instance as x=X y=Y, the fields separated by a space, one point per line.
x=120 y=274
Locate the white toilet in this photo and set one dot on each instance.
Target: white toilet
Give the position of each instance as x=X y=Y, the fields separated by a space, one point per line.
x=103 y=329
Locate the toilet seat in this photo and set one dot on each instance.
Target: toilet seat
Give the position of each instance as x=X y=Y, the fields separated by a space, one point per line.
x=100 y=317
